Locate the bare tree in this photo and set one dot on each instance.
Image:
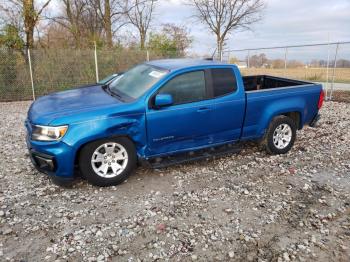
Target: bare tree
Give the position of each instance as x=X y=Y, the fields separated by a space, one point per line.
x=140 y=14
x=72 y=18
x=82 y=20
x=112 y=16
x=92 y=20
x=258 y=61
x=107 y=22
x=224 y=16
x=180 y=35
x=29 y=12
x=11 y=14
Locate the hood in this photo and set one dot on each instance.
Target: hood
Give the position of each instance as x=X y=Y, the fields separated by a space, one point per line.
x=48 y=108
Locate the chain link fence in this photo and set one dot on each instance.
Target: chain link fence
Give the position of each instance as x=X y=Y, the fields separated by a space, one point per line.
x=25 y=75
x=328 y=63
x=15 y=82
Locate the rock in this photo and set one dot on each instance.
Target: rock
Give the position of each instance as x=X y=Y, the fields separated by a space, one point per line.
x=7 y=231
x=160 y=227
x=313 y=239
x=213 y=237
x=291 y=170
x=306 y=187
x=224 y=209
x=228 y=211
x=286 y=257
x=344 y=248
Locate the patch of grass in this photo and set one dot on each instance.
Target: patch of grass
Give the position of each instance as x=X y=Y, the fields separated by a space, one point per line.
x=315 y=77
x=342 y=75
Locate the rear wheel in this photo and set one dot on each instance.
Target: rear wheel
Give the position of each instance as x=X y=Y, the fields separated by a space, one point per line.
x=280 y=135
x=108 y=162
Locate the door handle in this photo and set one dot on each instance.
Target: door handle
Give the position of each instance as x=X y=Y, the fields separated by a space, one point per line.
x=203 y=109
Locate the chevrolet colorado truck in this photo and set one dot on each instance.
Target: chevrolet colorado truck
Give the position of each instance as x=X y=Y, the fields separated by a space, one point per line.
x=164 y=111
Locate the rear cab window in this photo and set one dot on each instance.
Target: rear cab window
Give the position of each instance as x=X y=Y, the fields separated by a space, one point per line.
x=223 y=81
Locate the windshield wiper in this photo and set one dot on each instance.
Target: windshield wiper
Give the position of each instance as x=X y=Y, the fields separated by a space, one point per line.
x=115 y=94
x=111 y=92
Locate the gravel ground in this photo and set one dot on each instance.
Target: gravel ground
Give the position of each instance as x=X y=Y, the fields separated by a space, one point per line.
x=245 y=207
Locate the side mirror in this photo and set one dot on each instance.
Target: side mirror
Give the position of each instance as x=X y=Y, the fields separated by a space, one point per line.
x=163 y=100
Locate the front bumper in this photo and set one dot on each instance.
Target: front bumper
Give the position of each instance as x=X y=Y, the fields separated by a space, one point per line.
x=53 y=158
x=43 y=162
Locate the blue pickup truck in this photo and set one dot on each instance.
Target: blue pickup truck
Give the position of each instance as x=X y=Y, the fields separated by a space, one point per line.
x=164 y=112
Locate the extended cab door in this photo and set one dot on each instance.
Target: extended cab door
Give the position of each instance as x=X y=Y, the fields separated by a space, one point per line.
x=229 y=104
x=186 y=123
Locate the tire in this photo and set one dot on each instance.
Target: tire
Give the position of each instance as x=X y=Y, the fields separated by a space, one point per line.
x=108 y=162
x=280 y=136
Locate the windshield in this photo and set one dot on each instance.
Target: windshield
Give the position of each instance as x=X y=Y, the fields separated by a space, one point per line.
x=137 y=80
x=107 y=79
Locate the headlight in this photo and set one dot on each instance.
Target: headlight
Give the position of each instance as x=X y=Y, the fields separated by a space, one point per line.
x=48 y=133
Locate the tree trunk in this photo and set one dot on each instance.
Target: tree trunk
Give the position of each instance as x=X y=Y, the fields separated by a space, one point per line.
x=29 y=22
x=108 y=24
x=30 y=37
x=219 y=43
x=142 y=39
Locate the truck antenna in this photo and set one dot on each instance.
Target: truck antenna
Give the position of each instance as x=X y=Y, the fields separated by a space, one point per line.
x=212 y=56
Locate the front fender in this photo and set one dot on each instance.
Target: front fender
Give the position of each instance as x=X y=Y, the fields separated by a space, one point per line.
x=131 y=126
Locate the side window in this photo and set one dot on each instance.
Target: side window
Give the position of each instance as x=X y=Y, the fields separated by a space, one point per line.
x=224 y=81
x=187 y=87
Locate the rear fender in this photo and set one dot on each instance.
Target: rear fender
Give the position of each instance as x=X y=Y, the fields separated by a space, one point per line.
x=281 y=107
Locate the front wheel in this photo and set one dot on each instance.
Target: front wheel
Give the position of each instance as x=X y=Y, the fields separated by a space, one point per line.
x=280 y=135
x=108 y=162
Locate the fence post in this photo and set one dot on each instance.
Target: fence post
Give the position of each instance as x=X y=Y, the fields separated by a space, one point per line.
x=334 y=68
x=96 y=64
x=31 y=72
x=285 y=61
x=327 y=73
x=147 y=55
x=248 y=59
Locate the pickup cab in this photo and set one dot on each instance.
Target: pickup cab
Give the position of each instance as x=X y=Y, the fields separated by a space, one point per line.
x=161 y=110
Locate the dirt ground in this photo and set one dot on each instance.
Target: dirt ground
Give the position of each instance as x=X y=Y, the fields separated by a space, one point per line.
x=245 y=207
x=341 y=96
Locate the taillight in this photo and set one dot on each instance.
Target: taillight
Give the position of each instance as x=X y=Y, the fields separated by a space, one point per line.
x=320 y=100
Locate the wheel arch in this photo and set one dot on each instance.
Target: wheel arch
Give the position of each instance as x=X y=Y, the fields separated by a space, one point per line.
x=296 y=116
x=81 y=146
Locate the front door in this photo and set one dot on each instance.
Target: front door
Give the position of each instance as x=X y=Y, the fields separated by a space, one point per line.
x=186 y=123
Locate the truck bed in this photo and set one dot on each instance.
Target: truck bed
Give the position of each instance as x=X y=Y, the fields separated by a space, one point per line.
x=259 y=82
x=267 y=96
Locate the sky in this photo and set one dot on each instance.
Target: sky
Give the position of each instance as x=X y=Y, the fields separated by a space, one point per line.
x=287 y=22
x=284 y=23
